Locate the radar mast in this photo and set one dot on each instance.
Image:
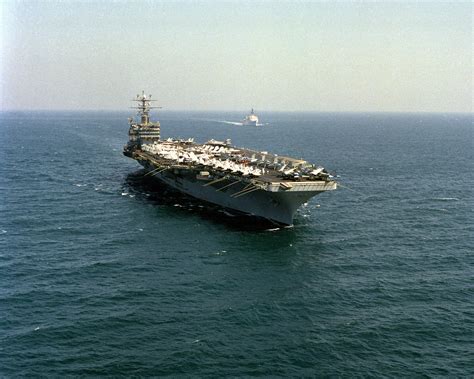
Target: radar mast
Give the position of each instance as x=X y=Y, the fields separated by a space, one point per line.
x=144 y=106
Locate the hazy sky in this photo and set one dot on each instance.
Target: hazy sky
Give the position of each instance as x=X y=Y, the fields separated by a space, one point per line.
x=320 y=56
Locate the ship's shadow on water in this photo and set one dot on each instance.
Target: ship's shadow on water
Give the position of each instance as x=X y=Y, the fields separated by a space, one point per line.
x=156 y=192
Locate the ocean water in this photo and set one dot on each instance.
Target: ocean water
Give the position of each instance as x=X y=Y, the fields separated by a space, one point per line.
x=104 y=273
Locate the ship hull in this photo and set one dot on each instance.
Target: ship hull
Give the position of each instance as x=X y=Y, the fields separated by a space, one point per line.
x=278 y=207
x=250 y=123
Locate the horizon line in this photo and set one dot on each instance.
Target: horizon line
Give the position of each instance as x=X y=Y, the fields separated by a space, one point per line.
x=239 y=111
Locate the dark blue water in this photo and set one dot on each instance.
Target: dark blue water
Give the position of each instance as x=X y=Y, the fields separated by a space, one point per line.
x=103 y=273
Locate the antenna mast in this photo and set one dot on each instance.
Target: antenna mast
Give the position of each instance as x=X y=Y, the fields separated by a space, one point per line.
x=144 y=107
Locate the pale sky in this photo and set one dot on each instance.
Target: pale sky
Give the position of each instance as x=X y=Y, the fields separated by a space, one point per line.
x=288 y=56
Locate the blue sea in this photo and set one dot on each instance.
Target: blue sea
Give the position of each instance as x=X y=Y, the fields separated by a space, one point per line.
x=104 y=272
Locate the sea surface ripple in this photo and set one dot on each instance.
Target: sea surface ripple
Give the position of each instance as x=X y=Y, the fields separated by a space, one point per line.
x=102 y=272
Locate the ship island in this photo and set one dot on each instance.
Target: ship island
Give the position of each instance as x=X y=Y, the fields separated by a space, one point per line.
x=240 y=180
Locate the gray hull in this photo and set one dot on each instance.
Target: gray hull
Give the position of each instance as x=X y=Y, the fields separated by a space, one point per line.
x=250 y=123
x=278 y=207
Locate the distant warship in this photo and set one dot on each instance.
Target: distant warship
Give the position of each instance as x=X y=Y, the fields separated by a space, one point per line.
x=251 y=119
x=252 y=182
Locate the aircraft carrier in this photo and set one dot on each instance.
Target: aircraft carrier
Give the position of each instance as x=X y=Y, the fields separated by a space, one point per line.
x=253 y=182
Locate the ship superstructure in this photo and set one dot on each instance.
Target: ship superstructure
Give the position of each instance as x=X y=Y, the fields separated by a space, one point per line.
x=244 y=180
x=251 y=119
